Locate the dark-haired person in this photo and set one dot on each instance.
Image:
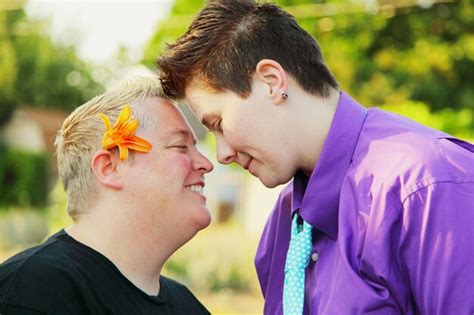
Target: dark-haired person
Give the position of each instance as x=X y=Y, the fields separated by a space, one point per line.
x=135 y=193
x=379 y=209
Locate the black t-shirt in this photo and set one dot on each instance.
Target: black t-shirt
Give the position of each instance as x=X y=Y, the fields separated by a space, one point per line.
x=63 y=276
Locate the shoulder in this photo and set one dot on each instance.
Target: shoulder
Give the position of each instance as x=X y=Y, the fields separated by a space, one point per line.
x=34 y=278
x=175 y=287
x=33 y=263
x=182 y=298
x=9 y=309
x=397 y=154
x=40 y=261
x=172 y=284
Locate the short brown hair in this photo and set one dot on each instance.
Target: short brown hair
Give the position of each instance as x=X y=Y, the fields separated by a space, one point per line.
x=81 y=133
x=227 y=39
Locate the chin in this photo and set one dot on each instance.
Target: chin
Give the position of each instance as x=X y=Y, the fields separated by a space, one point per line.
x=203 y=220
x=273 y=182
x=269 y=184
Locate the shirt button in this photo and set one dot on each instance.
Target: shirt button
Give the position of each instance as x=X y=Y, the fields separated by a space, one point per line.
x=315 y=257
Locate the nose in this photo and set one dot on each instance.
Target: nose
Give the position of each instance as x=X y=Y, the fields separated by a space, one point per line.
x=201 y=163
x=225 y=153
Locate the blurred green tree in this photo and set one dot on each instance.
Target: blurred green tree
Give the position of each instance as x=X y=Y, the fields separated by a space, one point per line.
x=426 y=53
x=34 y=70
x=37 y=72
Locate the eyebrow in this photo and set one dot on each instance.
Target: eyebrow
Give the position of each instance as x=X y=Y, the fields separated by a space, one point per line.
x=183 y=133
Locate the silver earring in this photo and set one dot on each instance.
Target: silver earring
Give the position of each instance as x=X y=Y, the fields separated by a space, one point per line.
x=284 y=95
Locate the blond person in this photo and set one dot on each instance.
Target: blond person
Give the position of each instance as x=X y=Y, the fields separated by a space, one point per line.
x=134 y=190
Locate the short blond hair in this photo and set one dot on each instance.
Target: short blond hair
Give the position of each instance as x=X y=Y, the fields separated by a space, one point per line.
x=81 y=133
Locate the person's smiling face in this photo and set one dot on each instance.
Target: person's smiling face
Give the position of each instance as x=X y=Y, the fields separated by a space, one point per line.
x=167 y=182
x=250 y=131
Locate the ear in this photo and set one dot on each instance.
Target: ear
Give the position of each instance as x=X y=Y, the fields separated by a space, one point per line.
x=104 y=166
x=274 y=76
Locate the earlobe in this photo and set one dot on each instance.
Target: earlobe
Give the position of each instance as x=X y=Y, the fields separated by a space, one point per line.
x=272 y=74
x=104 y=166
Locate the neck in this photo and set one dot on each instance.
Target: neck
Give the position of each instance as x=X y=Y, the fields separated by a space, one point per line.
x=316 y=114
x=136 y=250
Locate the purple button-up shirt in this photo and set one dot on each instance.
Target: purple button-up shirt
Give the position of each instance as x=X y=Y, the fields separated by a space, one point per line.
x=392 y=206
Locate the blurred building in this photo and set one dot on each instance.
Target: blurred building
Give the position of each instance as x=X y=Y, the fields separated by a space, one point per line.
x=33 y=129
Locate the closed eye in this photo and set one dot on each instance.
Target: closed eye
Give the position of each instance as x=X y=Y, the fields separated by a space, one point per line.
x=180 y=147
x=217 y=126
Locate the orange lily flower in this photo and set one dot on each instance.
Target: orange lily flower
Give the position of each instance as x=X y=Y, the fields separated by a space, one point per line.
x=122 y=134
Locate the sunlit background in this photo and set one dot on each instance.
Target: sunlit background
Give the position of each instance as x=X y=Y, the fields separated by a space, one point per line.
x=411 y=57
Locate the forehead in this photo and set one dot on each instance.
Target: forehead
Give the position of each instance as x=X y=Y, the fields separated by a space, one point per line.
x=203 y=100
x=169 y=120
x=199 y=93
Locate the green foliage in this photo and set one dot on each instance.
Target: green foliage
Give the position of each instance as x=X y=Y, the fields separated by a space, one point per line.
x=7 y=74
x=171 y=28
x=454 y=122
x=20 y=228
x=426 y=53
x=23 y=178
x=56 y=212
x=36 y=71
x=61 y=80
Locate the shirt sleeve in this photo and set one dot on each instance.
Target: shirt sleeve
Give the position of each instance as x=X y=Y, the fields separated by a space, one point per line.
x=436 y=247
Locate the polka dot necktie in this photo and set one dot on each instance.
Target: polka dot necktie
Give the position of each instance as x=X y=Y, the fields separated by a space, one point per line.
x=297 y=259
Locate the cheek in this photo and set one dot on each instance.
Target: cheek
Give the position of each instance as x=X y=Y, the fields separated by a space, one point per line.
x=239 y=125
x=240 y=135
x=247 y=131
x=173 y=170
x=273 y=158
x=165 y=170
x=181 y=164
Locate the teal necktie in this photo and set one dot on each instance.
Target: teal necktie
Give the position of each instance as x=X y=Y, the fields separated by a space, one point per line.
x=297 y=259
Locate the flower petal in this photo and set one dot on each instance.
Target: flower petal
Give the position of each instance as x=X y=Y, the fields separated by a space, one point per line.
x=106 y=121
x=108 y=143
x=124 y=116
x=130 y=127
x=123 y=152
x=138 y=144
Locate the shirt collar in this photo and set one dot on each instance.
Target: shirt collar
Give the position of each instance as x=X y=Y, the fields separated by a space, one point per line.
x=317 y=197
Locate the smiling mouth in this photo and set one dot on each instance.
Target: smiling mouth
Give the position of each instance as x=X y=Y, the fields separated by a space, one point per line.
x=196 y=188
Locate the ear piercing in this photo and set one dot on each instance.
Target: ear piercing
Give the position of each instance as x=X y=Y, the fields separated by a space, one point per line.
x=284 y=95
